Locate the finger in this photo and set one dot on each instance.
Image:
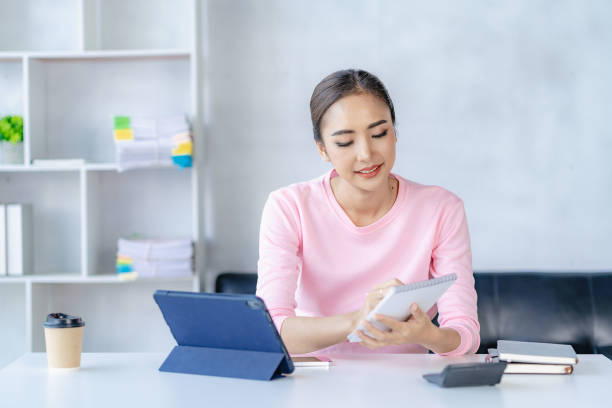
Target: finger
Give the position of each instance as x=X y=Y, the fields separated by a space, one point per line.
x=375 y=332
x=388 y=321
x=417 y=312
x=389 y=283
x=367 y=341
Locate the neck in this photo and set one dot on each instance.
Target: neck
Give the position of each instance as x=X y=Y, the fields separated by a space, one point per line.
x=360 y=203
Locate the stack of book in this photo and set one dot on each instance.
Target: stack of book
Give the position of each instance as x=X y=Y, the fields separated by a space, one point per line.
x=146 y=142
x=525 y=357
x=16 y=239
x=147 y=258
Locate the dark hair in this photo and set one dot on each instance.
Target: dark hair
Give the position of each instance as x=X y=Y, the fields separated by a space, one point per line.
x=340 y=84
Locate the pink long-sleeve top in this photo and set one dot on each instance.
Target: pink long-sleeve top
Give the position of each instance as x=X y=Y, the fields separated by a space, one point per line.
x=314 y=261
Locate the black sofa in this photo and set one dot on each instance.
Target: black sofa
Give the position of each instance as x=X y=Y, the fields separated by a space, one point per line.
x=567 y=308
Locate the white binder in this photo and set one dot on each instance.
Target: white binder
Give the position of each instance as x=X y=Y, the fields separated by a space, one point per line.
x=3 y=260
x=19 y=239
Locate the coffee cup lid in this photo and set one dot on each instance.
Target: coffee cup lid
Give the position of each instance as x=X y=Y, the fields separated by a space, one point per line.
x=62 y=320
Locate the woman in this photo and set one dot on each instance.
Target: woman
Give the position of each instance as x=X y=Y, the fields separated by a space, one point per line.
x=330 y=247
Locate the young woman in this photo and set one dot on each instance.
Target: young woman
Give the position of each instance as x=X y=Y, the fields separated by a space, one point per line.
x=329 y=247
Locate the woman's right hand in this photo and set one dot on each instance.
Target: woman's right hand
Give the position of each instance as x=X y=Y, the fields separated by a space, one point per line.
x=372 y=298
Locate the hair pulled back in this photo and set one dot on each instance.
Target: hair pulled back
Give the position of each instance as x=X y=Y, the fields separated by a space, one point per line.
x=340 y=84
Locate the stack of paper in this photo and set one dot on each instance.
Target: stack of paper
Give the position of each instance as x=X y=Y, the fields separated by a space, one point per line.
x=526 y=357
x=146 y=142
x=141 y=258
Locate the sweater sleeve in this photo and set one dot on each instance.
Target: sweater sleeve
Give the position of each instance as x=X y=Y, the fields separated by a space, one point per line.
x=457 y=307
x=279 y=262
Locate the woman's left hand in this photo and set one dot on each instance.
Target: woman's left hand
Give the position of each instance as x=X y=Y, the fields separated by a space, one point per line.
x=417 y=329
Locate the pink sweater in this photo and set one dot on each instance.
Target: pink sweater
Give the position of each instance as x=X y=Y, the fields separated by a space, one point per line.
x=313 y=261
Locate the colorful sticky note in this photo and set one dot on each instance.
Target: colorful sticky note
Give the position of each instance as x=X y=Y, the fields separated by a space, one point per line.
x=182 y=161
x=129 y=276
x=124 y=268
x=122 y=122
x=183 y=148
x=124 y=134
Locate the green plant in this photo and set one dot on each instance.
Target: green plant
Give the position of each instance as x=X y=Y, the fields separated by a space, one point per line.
x=11 y=129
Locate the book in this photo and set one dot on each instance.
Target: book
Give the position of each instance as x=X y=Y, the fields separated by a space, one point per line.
x=533 y=352
x=530 y=368
x=19 y=239
x=2 y=240
x=398 y=300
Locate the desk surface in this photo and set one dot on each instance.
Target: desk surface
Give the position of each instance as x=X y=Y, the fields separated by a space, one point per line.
x=132 y=379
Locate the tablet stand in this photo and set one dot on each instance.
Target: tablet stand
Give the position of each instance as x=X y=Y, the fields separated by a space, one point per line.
x=254 y=365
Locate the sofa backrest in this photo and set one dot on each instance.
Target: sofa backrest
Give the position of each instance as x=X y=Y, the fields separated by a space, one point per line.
x=567 y=308
x=543 y=307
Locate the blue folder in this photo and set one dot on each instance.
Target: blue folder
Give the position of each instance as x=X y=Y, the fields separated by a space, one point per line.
x=223 y=335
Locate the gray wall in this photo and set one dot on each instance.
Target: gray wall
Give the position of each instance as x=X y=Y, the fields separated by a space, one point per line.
x=505 y=103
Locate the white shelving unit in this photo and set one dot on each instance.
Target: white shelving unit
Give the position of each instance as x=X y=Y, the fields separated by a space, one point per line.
x=68 y=67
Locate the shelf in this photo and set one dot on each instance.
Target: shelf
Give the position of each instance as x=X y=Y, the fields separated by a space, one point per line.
x=16 y=168
x=11 y=56
x=68 y=67
x=66 y=122
x=11 y=84
x=131 y=197
x=66 y=278
x=120 y=24
x=114 y=167
x=56 y=213
x=97 y=54
x=94 y=167
x=36 y=24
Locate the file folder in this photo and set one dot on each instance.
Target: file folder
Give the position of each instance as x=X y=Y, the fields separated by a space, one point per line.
x=225 y=335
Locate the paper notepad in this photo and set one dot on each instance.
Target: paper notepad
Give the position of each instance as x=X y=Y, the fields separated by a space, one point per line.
x=398 y=300
x=532 y=352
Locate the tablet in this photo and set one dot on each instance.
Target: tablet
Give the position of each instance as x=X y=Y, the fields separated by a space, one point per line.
x=398 y=300
x=235 y=331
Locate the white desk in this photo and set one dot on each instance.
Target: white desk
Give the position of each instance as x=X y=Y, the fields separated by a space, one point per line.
x=132 y=380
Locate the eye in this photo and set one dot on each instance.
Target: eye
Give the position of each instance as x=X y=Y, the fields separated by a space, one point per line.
x=344 y=144
x=380 y=134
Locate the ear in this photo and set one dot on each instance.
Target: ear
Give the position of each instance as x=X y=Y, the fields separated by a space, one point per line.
x=322 y=151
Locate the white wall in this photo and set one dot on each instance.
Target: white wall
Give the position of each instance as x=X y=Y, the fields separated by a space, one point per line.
x=507 y=104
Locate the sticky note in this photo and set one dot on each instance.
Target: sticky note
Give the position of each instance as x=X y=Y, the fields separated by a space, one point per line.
x=124 y=268
x=183 y=148
x=124 y=134
x=122 y=122
x=182 y=161
x=129 y=276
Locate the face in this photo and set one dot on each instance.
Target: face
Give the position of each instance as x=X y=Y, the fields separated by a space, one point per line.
x=359 y=140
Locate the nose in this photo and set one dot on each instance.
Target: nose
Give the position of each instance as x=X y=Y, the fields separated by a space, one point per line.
x=364 y=150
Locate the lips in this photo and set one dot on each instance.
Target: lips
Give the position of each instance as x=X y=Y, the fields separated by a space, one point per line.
x=368 y=169
x=369 y=172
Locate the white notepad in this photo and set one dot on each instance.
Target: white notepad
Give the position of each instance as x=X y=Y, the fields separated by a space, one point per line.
x=533 y=352
x=398 y=300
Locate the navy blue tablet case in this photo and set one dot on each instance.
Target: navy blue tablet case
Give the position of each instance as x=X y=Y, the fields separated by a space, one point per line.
x=224 y=335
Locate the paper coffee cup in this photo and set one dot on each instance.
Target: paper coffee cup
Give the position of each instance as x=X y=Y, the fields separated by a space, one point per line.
x=63 y=340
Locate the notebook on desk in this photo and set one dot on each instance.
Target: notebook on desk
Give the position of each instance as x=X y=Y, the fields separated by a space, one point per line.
x=533 y=352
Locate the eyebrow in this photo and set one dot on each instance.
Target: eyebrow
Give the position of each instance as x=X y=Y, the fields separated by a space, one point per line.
x=370 y=126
